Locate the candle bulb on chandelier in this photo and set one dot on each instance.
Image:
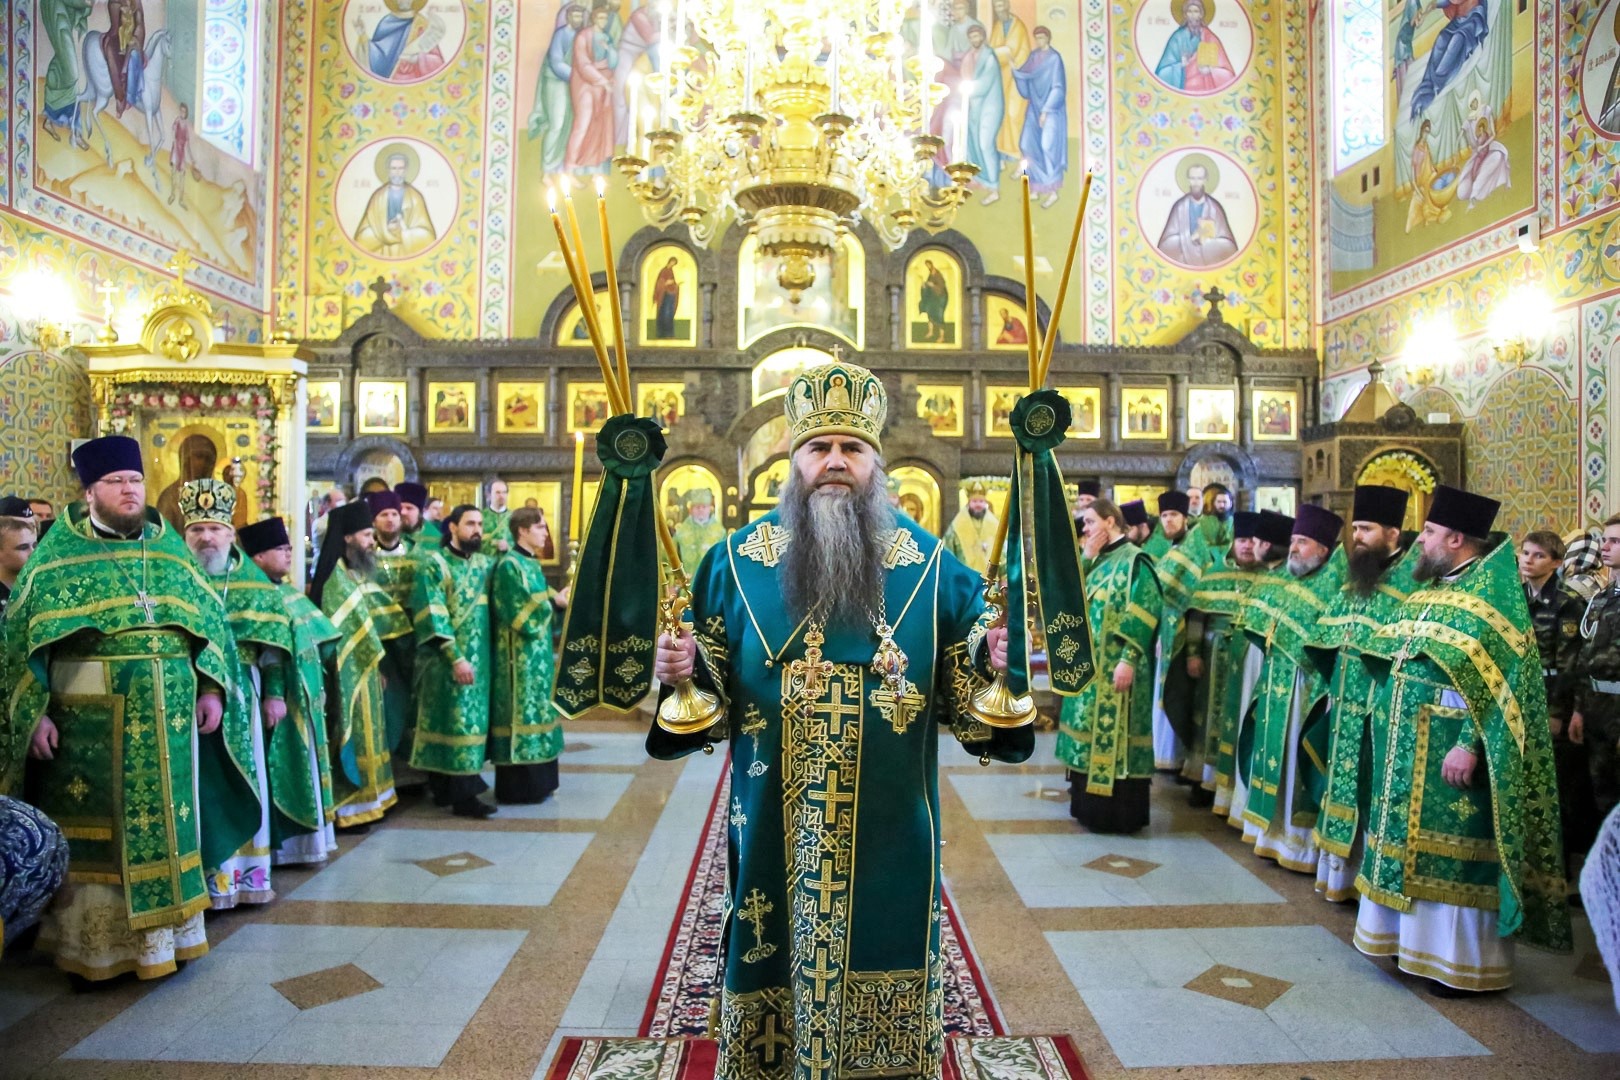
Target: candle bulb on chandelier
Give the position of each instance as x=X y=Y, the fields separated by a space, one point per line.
x=961 y=132
x=833 y=33
x=633 y=88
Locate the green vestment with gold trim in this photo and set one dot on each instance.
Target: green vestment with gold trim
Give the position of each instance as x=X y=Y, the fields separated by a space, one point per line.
x=119 y=677
x=395 y=579
x=1281 y=612
x=452 y=623
x=525 y=728
x=1179 y=565
x=693 y=540
x=1458 y=666
x=1336 y=643
x=363 y=781
x=832 y=964
x=1218 y=703
x=1102 y=733
x=301 y=800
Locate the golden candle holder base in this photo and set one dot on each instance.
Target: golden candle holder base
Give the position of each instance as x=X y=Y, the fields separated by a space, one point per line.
x=689 y=710
x=663 y=143
x=998 y=707
x=961 y=172
x=927 y=146
x=629 y=165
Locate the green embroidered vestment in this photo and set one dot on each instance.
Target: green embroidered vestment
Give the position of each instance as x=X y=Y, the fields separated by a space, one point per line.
x=1219 y=703
x=1459 y=666
x=363 y=782
x=452 y=623
x=1179 y=566
x=302 y=803
x=832 y=965
x=524 y=727
x=1101 y=732
x=1336 y=643
x=1281 y=612
x=119 y=679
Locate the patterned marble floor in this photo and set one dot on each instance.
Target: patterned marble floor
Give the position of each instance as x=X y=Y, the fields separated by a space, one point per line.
x=440 y=947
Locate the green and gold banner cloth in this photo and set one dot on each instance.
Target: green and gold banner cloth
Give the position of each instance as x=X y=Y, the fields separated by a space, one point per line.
x=1103 y=733
x=111 y=639
x=525 y=728
x=1459 y=666
x=1335 y=646
x=1041 y=547
x=611 y=627
x=452 y=624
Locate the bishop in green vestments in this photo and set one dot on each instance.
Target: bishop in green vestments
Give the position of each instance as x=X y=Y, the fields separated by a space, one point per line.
x=1105 y=735
x=453 y=660
x=263 y=639
x=362 y=772
x=1285 y=747
x=1215 y=656
x=841 y=638
x=1464 y=853
x=117 y=679
x=525 y=728
x=302 y=810
x=1378 y=576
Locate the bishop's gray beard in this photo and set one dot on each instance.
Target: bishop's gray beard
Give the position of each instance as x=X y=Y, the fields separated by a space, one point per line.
x=214 y=561
x=362 y=562
x=834 y=562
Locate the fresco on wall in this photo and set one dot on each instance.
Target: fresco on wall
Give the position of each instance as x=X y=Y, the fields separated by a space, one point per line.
x=1195 y=47
x=403 y=41
x=117 y=135
x=1201 y=207
x=396 y=197
x=1589 y=108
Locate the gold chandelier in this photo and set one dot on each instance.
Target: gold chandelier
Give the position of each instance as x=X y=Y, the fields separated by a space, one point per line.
x=798 y=118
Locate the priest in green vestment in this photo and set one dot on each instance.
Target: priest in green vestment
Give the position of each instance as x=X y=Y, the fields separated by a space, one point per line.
x=1215 y=522
x=1180 y=557
x=841 y=638
x=1215 y=654
x=699 y=530
x=453 y=660
x=117 y=681
x=1138 y=525
x=302 y=810
x=1464 y=853
x=362 y=772
x=1105 y=734
x=495 y=514
x=258 y=703
x=525 y=728
x=1378 y=576
x=396 y=577
x=1285 y=746
x=413 y=500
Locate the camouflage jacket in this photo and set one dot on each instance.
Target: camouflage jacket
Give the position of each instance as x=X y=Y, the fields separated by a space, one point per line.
x=1555 y=613
x=1599 y=656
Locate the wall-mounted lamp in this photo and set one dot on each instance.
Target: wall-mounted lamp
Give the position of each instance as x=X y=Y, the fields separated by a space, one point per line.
x=1519 y=326
x=42 y=304
x=1431 y=346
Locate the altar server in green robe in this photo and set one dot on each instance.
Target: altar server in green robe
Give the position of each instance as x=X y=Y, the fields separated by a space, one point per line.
x=1284 y=748
x=841 y=638
x=525 y=729
x=362 y=773
x=1105 y=734
x=413 y=500
x=1180 y=556
x=258 y=701
x=453 y=660
x=117 y=680
x=1463 y=849
x=302 y=810
x=396 y=577
x=1215 y=654
x=1378 y=576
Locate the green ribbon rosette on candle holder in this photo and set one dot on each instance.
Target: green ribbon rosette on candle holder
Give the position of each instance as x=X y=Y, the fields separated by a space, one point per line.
x=611 y=627
x=1044 y=581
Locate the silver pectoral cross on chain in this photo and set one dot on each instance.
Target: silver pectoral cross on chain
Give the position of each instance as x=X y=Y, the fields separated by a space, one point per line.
x=146 y=604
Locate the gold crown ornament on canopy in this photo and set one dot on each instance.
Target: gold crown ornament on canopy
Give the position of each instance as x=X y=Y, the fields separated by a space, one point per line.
x=837 y=399
x=207 y=500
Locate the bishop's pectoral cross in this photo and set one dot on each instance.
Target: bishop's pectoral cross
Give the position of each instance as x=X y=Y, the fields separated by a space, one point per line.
x=811 y=674
x=899 y=706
